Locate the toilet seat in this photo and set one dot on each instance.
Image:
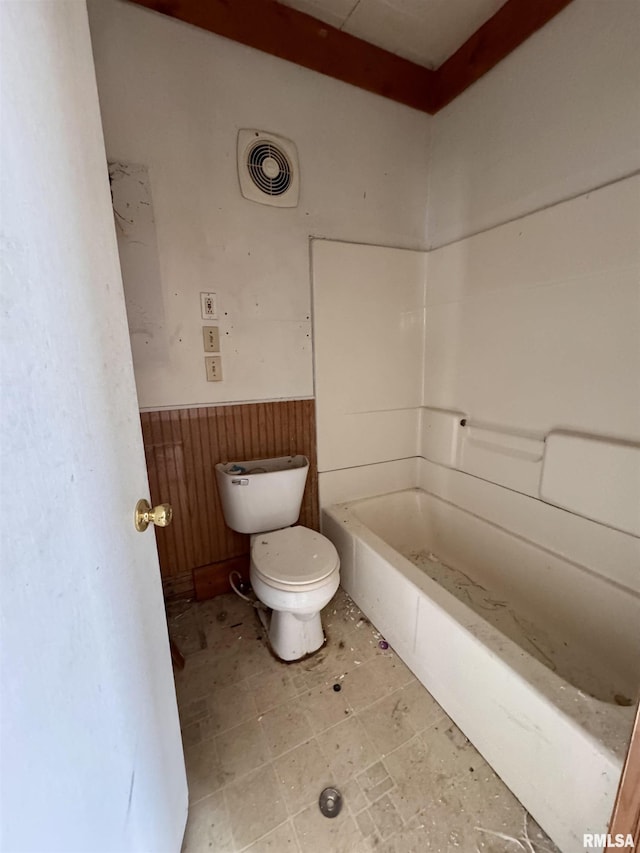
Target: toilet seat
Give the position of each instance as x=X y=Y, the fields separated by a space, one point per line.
x=294 y=558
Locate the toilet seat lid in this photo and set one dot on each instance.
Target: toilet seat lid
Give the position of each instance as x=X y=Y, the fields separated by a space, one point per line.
x=294 y=555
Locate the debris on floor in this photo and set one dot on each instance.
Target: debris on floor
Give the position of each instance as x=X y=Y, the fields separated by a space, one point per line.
x=352 y=716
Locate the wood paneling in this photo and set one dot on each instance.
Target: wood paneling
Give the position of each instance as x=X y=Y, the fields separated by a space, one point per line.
x=292 y=35
x=182 y=447
x=212 y=580
x=626 y=812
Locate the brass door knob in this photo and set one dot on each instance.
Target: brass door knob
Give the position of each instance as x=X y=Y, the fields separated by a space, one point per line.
x=145 y=515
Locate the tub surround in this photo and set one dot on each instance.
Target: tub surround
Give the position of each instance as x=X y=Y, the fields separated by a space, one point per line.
x=531 y=474
x=597 y=477
x=531 y=332
x=518 y=324
x=368 y=327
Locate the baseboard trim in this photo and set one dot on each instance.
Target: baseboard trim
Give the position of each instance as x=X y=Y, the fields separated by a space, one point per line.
x=213 y=579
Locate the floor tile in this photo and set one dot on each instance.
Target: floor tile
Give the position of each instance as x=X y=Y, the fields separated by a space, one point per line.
x=387 y=722
x=416 y=835
x=193 y=712
x=304 y=773
x=197 y=732
x=204 y=770
x=186 y=628
x=354 y=796
x=362 y=686
x=320 y=669
x=488 y=810
x=195 y=681
x=421 y=709
x=375 y=679
x=449 y=752
x=415 y=784
x=324 y=707
x=280 y=840
x=242 y=749
x=285 y=727
x=224 y=619
x=272 y=688
x=253 y=657
x=191 y=735
x=347 y=748
x=229 y=706
x=318 y=834
x=263 y=738
x=255 y=805
x=385 y=817
x=352 y=639
x=392 y=670
x=447 y=825
x=375 y=781
x=365 y=824
x=208 y=827
x=204 y=672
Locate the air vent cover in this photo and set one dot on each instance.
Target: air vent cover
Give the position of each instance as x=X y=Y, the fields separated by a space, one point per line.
x=268 y=168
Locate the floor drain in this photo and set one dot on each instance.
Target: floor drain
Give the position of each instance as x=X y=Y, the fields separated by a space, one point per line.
x=330 y=802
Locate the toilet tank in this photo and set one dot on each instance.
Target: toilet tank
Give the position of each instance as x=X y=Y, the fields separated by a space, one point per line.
x=262 y=494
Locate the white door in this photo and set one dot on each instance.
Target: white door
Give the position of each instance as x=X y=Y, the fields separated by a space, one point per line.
x=91 y=758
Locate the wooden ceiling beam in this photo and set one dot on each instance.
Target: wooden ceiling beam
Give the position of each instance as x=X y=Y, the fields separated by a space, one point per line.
x=288 y=34
x=276 y=29
x=511 y=25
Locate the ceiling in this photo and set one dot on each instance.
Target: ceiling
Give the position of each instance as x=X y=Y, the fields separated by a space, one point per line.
x=422 y=53
x=423 y=31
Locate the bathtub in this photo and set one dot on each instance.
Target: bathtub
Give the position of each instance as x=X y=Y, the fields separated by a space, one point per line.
x=533 y=655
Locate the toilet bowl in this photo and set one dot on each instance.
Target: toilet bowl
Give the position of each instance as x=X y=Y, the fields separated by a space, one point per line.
x=295 y=571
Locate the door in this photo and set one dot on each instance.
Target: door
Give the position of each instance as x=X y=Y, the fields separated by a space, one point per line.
x=91 y=758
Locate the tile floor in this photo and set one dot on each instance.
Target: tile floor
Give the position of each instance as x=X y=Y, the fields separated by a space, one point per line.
x=263 y=738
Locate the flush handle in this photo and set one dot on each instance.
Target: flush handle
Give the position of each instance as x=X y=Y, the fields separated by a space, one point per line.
x=243 y=481
x=145 y=515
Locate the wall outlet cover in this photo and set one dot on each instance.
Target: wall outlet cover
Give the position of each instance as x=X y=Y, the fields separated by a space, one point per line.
x=209 y=306
x=211 y=338
x=213 y=365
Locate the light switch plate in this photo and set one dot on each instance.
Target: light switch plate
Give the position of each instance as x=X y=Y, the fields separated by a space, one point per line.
x=209 y=306
x=211 y=338
x=213 y=365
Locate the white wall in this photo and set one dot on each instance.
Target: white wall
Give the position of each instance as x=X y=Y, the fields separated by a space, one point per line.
x=368 y=328
x=556 y=118
x=90 y=740
x=172 y=98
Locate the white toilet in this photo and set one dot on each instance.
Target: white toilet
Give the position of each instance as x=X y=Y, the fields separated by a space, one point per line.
x=294 y=570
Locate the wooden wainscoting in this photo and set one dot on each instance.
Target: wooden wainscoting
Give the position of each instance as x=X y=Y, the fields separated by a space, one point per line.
x=625 y=819
x=182 y=447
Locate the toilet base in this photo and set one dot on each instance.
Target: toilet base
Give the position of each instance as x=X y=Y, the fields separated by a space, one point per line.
x=294 y=636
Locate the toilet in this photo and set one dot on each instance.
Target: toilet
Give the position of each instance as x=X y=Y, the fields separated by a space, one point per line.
x=294 y=571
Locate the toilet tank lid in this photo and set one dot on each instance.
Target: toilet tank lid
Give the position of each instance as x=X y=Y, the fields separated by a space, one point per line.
x=248 y=467
x=294 y=555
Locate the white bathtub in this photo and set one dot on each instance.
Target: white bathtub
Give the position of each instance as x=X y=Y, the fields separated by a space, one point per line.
x=529 y=652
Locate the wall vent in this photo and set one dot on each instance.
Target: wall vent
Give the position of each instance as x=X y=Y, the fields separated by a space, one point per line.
x=268 y=168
